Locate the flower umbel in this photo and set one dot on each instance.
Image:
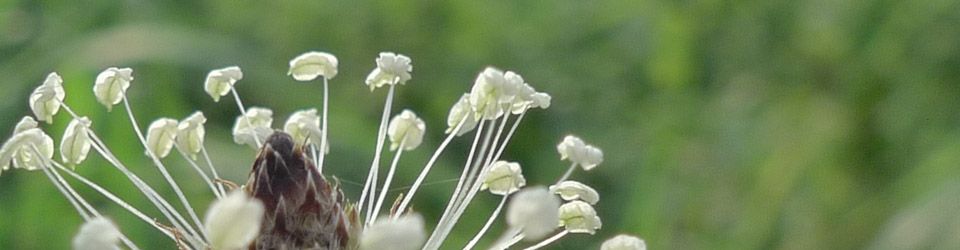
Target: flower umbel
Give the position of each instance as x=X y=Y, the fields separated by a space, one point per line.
x=287 y=201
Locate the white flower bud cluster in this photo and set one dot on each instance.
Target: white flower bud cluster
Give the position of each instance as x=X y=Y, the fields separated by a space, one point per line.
x=494 y=93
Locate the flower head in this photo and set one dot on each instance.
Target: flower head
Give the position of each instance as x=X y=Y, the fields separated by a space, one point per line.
x=391 y=69
x=579 y=217
x=190 y=133
x=587 y=156
x=97 y=234
x=253 y=127
x=304 y=125
x=46 y=98
x=220 y=81
x=503 y=178
x=406 y=128
x=111 y=85
x=534 y=211
x=234 y=221
x=76 y=142
x=22 y=150
x=310 y=65
x=403 y=233
x=624 y=242
x=161 y=136
x=461 y=111
x=574 y=190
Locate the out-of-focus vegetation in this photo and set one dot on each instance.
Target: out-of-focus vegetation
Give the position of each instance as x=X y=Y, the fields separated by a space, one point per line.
x=725 y=124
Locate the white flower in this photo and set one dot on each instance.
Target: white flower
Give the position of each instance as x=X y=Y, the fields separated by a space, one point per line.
x=624 y=242
x=579 y=217
x=407 y=128
x=391 y=69
x=534 y=211
x=111 y=84
x=253 y=126
x=574 y=190
x=161 y=136
x=587 y=156
x=97 y=234
x=220 y=81
x=458 y=112
x=304 y=125
x=45 y=99
x=20 y=150
x=25 y=123
x=503 y=178
x=310 y=65
x=403 y=233
x=234 y=221
x=190 y=133
x=492 y=91
x=75 y=143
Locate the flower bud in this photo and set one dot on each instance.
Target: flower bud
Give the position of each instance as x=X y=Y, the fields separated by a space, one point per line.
x=161 y=136
x=253 y=126
x=97 y=234
x=76 y=142
x=403 y=233
x=391 y=69
x=111 y=85
x=624 y=242
x=234 y=221
x=304 y=125
x=534 y=211
x=458 y=112
x=46 y=98
x=220 y=81
x=190 y=133
x=407 y=128
x=22 y=149
x=587 y=156
x=310 y=65
x=579 y=217
x=574 y=190
x=503 y=178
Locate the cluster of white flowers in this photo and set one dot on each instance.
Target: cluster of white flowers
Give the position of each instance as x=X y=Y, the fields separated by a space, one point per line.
x=234 y=219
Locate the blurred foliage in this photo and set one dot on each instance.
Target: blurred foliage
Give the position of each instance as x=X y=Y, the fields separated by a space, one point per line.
x=726 y=124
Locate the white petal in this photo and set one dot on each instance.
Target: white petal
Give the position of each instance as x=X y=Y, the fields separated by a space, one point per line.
x=161 y=136
x=574 y=190
x=97 y=234
x=25 y=123
x=111 y=84
x=407 y=128
x=404 y=233
x=579 y=217
x=190 y=133
x=534 y=211
x=624 y=242
x=46 y=98
x=234 y=221
x=308 y=66
x=220 y=81
x=75 y=144
x=503 y=178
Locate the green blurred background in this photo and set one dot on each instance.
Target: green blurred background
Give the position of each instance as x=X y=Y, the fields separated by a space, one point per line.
x=780 y=124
